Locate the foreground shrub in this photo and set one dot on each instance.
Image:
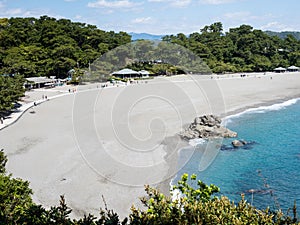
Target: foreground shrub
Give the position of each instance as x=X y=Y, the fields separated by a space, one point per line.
x=185 y=206
x=198 y=206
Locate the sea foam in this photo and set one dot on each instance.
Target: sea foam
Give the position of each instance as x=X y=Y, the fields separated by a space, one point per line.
x=261 y=109
x=196 y=141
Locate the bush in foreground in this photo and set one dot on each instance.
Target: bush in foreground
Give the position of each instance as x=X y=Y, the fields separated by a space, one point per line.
x=191 y=206
x=198 y=206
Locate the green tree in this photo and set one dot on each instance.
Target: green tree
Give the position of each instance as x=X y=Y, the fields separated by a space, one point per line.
x=294 y=58
x=11 y=90
x=51 y=47
x=24 y=60
x=199 y=206
x=15 y=195
x=242 y=49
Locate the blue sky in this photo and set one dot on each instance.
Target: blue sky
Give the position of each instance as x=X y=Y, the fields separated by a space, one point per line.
x=163 y=16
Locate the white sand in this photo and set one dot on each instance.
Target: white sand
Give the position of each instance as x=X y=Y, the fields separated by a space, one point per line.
x=112 y=141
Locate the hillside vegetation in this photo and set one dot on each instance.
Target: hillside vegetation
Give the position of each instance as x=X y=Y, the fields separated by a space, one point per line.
x=51 y=47
x=241 y=49
x=284 y=34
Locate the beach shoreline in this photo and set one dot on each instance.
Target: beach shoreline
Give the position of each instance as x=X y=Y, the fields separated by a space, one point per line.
x=233 y=114
x=130 y=135
x=257 y=105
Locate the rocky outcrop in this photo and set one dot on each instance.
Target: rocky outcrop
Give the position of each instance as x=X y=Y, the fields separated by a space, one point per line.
x=207 y=126
x=238 y=143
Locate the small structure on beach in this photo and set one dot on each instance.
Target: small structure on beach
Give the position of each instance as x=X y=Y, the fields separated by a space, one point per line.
x=293 y=69
x=279 y=70
x=39 y=82
x=144 y=73
x=126 y=73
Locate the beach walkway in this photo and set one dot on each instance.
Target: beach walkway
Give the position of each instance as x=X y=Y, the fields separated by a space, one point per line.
x=36 y=97
x=30 y=103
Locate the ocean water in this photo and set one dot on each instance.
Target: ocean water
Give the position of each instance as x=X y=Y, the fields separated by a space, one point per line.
x=268 y=171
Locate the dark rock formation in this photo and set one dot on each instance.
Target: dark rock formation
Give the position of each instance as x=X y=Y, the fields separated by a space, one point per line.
x=207 y=126
x=238 y=143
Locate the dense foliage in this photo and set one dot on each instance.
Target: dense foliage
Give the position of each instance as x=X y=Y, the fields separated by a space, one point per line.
x=158 y=58
x=199 y=206
x=11 y=89
x=193 y=206
x=51 y=47
x=241 y=49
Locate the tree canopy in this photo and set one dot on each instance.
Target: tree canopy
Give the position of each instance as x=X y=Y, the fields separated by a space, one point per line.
x=241 y=49
x=161 y=58
x=51 y=47
x=11 y=90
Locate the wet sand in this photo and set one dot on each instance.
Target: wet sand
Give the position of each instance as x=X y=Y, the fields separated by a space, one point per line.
x=112 y=141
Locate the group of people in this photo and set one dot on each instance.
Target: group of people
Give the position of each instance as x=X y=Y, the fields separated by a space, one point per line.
x=73 y=90
x=44 y=97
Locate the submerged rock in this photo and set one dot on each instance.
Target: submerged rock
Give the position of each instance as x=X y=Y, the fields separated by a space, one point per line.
x=207 y=126
x=238 y=143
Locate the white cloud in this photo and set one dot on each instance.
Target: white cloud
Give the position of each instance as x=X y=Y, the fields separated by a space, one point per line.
x=216 y=2
x=174 y=3
x=113 y=4
x=78 y=17
x=237 y=15
x=181 y=3
x=276 y=26
x=14 y=12
x=18 y=12
x=158 y=0
x=236 y=18
x=143 y=20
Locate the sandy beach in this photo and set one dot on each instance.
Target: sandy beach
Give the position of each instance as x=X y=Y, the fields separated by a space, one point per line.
x=112 y=141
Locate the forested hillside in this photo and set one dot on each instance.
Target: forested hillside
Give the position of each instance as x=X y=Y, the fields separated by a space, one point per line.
x=241 y=49
x=284 y=34
x=51 y=47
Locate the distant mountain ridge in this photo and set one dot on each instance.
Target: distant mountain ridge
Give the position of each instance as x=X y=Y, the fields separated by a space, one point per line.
x=284 y=34
x=152 y=37
x=145 y=36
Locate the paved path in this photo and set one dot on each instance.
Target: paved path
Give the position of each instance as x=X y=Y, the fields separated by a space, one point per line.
x=14 y=116
x=37 y=96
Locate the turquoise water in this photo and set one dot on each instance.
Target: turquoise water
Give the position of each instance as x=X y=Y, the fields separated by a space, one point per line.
x=271 y=167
